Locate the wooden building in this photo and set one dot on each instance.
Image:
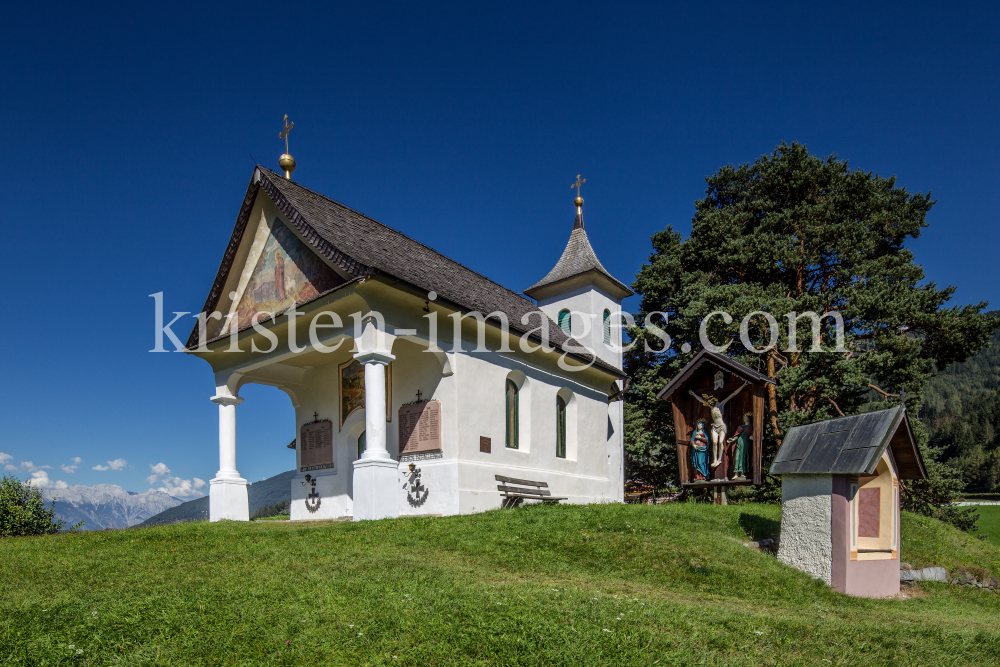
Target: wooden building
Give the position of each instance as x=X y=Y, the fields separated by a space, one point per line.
x=707 y=376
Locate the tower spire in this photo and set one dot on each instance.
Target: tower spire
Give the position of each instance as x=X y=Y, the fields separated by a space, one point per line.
x=286 y=161
x=578 y=223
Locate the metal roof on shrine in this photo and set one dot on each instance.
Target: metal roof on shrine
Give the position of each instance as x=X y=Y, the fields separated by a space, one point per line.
x=851 y=446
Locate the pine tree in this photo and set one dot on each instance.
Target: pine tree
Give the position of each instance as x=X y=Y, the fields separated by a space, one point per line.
x=793 y=233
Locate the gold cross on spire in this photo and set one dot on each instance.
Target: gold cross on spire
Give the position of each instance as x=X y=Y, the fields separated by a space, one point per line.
x=284 y=133
x=578 y=183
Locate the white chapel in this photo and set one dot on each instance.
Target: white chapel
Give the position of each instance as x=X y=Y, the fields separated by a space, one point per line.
x=417 y=383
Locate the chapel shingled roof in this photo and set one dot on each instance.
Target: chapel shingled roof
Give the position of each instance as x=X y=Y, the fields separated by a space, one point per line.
x=578 y=257
x=362 y=247
x=851 y=446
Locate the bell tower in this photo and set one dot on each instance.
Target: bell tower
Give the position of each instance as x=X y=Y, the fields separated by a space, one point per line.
x=581 y=296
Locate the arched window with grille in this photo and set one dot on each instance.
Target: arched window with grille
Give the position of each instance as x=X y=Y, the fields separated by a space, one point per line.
x=560 y=427
x=565 y=321
x=607 y=327
x=512 y=438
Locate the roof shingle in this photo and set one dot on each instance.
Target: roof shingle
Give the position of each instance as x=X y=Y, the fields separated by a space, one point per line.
x=362 y=246
x=578 y=257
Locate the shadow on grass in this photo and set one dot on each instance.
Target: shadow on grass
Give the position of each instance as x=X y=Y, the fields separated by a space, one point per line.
x=758 y=527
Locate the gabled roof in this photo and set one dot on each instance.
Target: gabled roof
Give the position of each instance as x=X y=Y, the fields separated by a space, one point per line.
x=363 y=247
x=579 y=258
x=706 y=357
x=851 y=446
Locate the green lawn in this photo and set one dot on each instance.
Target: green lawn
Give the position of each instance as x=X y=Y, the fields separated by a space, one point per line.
x=563 y=585
x=989 y=523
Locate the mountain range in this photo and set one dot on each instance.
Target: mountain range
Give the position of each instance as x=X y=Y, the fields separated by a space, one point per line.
x=265 y=492
x=107 y=505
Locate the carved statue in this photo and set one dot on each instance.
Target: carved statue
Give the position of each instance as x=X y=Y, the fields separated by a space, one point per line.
x=699 y=452
x=742 y=437
x=718 y=426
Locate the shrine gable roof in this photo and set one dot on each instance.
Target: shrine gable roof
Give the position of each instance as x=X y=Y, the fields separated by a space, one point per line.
x=851 y=446
x=719 y=360
x=363 y=247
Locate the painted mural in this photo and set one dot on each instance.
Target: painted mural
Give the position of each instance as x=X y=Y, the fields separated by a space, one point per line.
x=287 y=273
x=352 y=389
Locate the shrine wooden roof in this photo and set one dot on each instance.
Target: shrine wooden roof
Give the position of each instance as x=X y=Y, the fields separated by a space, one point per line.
x=719 y=360
x=363 y=247
x=851 y=446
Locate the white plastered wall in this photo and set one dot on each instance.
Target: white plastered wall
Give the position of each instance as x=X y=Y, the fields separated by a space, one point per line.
x=587 y=304
x=590 y=471
x=806 y=524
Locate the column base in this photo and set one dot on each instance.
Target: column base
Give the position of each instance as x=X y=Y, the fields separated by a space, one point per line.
x=228 y=499
x=375 y=495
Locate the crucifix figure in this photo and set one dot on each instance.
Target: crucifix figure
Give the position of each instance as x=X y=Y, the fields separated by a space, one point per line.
x=718 y=432
x=578 y=183
x=284 y=133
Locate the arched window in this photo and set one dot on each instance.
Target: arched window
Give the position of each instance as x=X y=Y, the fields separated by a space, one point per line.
x=565 y=322
x=607 y=327
x=560 y=427
x=361 y=444
x=512 y=415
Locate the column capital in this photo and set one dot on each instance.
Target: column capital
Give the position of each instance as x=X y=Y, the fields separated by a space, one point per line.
x=374 y=357
x=226 y=400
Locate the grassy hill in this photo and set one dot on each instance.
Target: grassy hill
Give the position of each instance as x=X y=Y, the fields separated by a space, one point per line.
x=265 y=492
x=563 y=585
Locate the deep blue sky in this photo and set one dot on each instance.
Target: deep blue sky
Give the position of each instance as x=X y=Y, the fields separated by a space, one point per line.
x=130 y=128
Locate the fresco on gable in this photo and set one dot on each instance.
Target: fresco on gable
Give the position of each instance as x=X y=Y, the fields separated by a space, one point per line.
x=287 y=273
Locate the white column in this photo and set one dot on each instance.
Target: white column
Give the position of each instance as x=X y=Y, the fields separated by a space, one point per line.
x=375 y=363
x=375 y=473
x=228 y=491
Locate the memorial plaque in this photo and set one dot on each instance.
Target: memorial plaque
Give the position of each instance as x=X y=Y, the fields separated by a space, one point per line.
x=316 y=442
x=420 y=427
x=485 y=444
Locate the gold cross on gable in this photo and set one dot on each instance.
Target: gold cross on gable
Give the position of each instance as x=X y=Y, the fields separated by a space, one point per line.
x=284 y=133
x=578 y=183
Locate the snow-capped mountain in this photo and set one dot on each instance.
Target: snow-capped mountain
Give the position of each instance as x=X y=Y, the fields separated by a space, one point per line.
x=107 y=505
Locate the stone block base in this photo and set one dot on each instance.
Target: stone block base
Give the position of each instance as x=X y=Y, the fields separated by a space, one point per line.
x=228 y=499
x=375 y=492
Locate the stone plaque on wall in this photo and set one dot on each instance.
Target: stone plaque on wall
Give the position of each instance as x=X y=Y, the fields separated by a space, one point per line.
x=316 y=443
x=420 y=427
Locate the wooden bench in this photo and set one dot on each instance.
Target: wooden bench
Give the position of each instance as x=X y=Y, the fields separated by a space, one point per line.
x=515 y=495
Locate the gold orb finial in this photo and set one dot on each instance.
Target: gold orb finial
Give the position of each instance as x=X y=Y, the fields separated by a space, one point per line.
x=578 y=201
x=287 y=163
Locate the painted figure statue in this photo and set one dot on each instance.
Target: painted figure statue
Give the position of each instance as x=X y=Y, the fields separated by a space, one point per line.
x=718 y=426
x=699 y=452
x=742 y=438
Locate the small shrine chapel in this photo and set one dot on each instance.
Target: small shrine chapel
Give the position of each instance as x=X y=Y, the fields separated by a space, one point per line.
x=398 y=410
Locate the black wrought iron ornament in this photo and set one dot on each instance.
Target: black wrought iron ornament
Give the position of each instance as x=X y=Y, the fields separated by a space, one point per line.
x=416 y=492
x=313 y=499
